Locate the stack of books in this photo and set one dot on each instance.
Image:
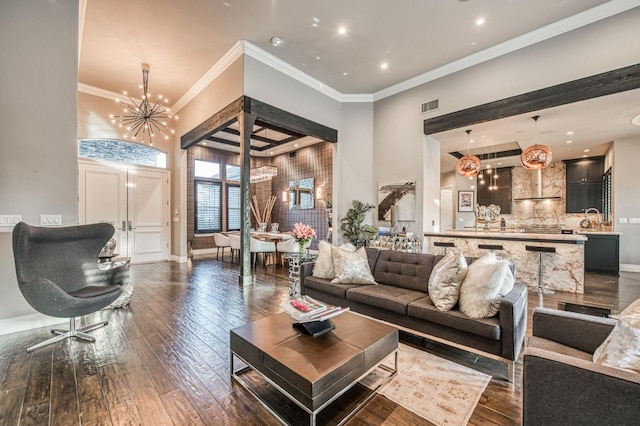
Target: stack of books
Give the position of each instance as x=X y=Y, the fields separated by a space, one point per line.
x=305 y=309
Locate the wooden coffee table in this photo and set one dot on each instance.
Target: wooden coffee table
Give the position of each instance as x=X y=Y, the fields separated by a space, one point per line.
x=313 y=372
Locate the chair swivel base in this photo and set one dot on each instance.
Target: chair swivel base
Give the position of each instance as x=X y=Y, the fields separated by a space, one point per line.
x=78 y=333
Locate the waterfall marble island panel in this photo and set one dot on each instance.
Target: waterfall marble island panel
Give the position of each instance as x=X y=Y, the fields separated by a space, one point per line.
x=562 y=270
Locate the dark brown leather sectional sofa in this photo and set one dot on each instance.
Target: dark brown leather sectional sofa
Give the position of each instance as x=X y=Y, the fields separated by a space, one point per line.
x=401 y=298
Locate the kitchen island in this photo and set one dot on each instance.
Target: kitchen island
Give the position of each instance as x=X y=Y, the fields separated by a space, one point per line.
x=562 y=270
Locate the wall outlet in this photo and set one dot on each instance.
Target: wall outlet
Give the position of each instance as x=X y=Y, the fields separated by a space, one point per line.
x=634 y=220
x=51 y=219
x=622 y=220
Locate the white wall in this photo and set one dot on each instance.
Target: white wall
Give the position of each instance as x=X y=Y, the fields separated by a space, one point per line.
x=353 y=163
x=38 y=150
x=269 y=85
x=626 y=194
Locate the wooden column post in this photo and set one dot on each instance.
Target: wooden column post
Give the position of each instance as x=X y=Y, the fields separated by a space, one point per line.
x=245 y=125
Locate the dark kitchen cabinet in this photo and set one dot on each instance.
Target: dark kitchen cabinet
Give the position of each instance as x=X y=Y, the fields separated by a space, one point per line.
x=584 y=184
x=602 y=253
x=586 y=170
x=581 y=196
x=500 y=196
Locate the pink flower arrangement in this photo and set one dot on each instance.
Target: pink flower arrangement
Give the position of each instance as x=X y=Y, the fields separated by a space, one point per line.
x=303 y=233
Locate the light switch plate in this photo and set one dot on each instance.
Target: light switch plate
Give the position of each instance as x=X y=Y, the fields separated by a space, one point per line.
x=634 y=220
x=51 y=219
x=622 y=220
x=10 y=219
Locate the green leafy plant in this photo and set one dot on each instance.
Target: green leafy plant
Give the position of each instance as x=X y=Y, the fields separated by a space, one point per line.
x=352 y=227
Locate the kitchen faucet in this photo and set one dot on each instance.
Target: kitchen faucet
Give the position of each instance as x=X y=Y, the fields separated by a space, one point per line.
x=593 y=209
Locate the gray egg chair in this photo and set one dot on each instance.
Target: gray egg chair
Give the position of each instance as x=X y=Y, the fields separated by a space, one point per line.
x=59 y=276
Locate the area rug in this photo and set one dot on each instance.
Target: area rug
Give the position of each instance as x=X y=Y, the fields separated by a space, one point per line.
x=438 y=390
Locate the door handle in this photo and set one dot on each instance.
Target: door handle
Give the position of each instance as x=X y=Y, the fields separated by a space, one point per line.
x=130 y=225
x=124 y=225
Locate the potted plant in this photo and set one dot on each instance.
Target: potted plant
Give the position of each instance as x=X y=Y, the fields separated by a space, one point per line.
x=352 y=227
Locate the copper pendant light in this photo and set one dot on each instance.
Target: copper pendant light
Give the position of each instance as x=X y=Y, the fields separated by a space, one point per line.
x=468 y=165
x=536 y=156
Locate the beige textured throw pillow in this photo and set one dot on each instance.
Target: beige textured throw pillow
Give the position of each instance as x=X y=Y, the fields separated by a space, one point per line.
x=323 y=266
x=445 y=280
x=488 y=280
x=351 y=267
x=621 y=349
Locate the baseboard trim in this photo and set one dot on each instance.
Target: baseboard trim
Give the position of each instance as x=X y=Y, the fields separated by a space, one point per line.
x=28 y=322
x=179 y=259
x=204 y=251
x=629 y=267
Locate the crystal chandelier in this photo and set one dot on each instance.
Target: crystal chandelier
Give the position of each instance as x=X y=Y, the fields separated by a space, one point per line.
x=144 y=117
x=536 y=156
x=263 y=173
x=469 y=165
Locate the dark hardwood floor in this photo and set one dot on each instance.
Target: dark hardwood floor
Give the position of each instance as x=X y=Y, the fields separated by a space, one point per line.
x=165 y=360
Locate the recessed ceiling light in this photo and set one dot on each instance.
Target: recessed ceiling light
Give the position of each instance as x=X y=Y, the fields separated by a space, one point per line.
x=569 y=133
x=569 y=141
x=316 y=20
x=636 y=120
x=344 y=73
x=296 y=145
x=204 y=143
x=342 y=30
x=315 y=24
x=585 y=156
x=586 y=150
x=317 y=58
x=471 y=141
x=384 y=65
x=276 y=41
x=499 y=164
x=480 y=21
x=271 y=152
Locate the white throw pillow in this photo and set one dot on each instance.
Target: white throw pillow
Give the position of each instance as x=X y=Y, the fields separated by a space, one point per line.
x=488 y=280
x=445 y=280
x=323 y=266
x=621 y=349
x=351 y=267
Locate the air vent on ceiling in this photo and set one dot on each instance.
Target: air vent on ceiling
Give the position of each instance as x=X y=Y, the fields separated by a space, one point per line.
x=429 y=106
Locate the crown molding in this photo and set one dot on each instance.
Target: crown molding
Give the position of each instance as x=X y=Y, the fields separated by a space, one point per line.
x=571 y=23
x=96 y=91
x=214 y=72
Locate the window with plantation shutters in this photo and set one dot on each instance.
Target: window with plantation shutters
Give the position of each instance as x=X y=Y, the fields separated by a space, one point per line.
x=233 y=207
x=208 y=206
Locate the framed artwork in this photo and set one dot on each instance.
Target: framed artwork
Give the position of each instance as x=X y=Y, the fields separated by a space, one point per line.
x=465 y=201
x=401 y=194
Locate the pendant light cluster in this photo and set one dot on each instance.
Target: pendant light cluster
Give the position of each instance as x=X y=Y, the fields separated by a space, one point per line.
x=468 y=165
x=536 y=156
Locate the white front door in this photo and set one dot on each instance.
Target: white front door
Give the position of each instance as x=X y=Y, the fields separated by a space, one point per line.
x=134 y=200
x=148 y=224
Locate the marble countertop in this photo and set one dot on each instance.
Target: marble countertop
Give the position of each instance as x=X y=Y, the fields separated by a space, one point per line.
x=588 y=232
x=496 y=235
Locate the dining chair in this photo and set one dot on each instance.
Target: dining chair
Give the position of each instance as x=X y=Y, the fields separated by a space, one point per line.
x=234 y=244
x=267 y=248
x=222 y=242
